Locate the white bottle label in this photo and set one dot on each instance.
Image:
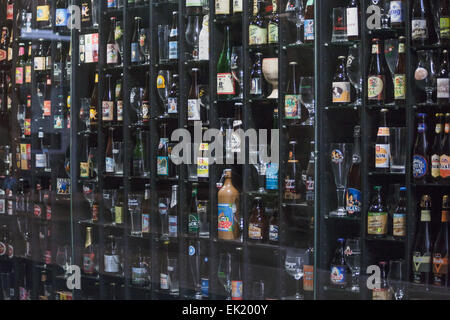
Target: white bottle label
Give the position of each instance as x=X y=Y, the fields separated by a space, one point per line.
x=222 y=7
x=111 y=263
x=396 y=11
x=352 y=22
x=443 y=88
x=194 y=109
x=203 y=48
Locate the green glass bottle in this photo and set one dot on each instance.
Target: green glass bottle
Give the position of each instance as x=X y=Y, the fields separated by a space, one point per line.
x=225 y=81
x=193 y=214
x=138 y=155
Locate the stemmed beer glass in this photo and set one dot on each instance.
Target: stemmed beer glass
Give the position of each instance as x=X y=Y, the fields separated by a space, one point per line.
x=296 y=11
x=425 y=74
x=224 y=272
x=294 y=267
x=354 y=72
x=341 y=159
x=352 y=254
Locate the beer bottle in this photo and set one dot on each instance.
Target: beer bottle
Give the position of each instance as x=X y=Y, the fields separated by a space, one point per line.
x=109 y=160
x=172 y=99
x=309 y=176
x=274 y=227
x=228 y=210
x=292 y=97
x=47 y=111
x=194 y=106
x=237 y=287
x=173 y=213
x=236 y=142
x=58 y=64
x=422 y=26
x=376 y=89
x=89 y=254
x=118 y=99
x=338 y=268
x=146 y=99
x=441 y=249
x=445 y=152
x=108 y=102
x=4 y=46
x=28 y=64
x=273 y=25
x=377 y=216
x=118 y=208
x=173 y=38
x=139 y=274
x=20 y=65
x=225 y=81
x=353 y=28
x=353 y=196
x=163 y=273
x=256 y=78
x=341 y=83
x=443 y=81
x=382 y=147
x=257 y=223
x=400 y=71
x=84 y=158
x=204 y=276
x=384 y=292
x=421 y=164
x=39 y=57
x=146 y=209
x=93 y=118
x=444 y=22
x=61 y=15
x=48 y=58
x=399 y=215
x=309 y=22
x=41 y=156
x=138 y=155
x=112 y=47
x=111 y=256
x=257 y=30
x=273 y=167
x=436 y=149
x=193 y=219
x=396 y=10
x=292 y=179
x=28 y=117
x=135 y=52
x=423 y=247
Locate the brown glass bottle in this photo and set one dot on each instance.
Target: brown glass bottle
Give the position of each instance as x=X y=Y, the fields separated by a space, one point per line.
x=376 y=85
x=441 y=248
x=436 y=149
x=292 y=179
x=228 y=210
x=257 y=223
x=400 y=73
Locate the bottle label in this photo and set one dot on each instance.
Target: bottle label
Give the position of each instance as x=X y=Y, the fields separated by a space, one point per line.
x=84 y=170
x=118 y=214
x=444 y=29
x=256 y=86
x=273 y=32
x=308 y=278
x=134 y=52
x=193 y=223
x=225 y=84
x=381 y=294
x=172 y=105
x=119 y=105
x=443 y=85
x=111 y=263
x=40 y=160
x=112 y=53
x=58 y=120
x=226 y=212
x=235 y=142
x=88 y=262
x=257 y=35
x=421 y=263
x=107 y=110
x=382 y=152
x=10 y=11
x=419 y=29
x=445 y=216
x=341 y=92
x=377 y=223
x=39 y=63
x=236 y=290
x=290 y=190
x=292 y=106
x=2 y=206
x=273 y=232
x=93 y=114
x=139 y=276
x=109 y=164
x=440 y=267
x=400 y=86
x=47 y=108
x=309 y=30
x=202 y=167
x=61 y=17
x=353 y=199
x=111 y=3
x=57 y=71
x=173 y=50
x=42 y=13
x=173 y=226
x=164 y=281
x=272 y=176
x=204 y=287
x=352 y=22
x=396 y=11
x=337 y=275
x=194 y=109
x=375 y=87
x=19 y=75
x=254 y=232
x=27 y=127
x=145 y=223
x=95 y=212
x=162 y=164
x=222 y=7
x=444 y=166
x=37 y=211
x=425 y=215
x=420 y=166
x=399 y=225
x=435 y=166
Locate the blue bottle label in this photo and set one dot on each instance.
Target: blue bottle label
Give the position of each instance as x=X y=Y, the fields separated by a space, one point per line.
x=173 y=49
x=135 y=52
x=205 y=287
x=272 y=176
x=61 y=17
x=162 y=165
x=309 y=29
x=353 y=199
x=226 y=217
x=420 y=166
x=338 y=275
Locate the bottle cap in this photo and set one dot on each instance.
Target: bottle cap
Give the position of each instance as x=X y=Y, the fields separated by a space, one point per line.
x=377 y=188
x=340 y=239
x=402 y=188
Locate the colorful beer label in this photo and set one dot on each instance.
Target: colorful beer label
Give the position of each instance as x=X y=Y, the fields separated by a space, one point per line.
x=112 y=53
x=162 y=166
x=61 y=17
x=226 y=212
x=353 y=199
x=444 y=23
x=273 y=33
x=337 y=275
x=236 y=290
x=309 y=30
x=399 y=225
x=292 y=106
x=42 y=13
x=194 y=109
x=341 y=92
x=377 y=223
x=257 y=35
x=222 y=7
x=420 y=166
x=107 y=110
x=272 y=176
x=375 y=88
x=382 y=153
x=396 y=11
x=400 y=86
